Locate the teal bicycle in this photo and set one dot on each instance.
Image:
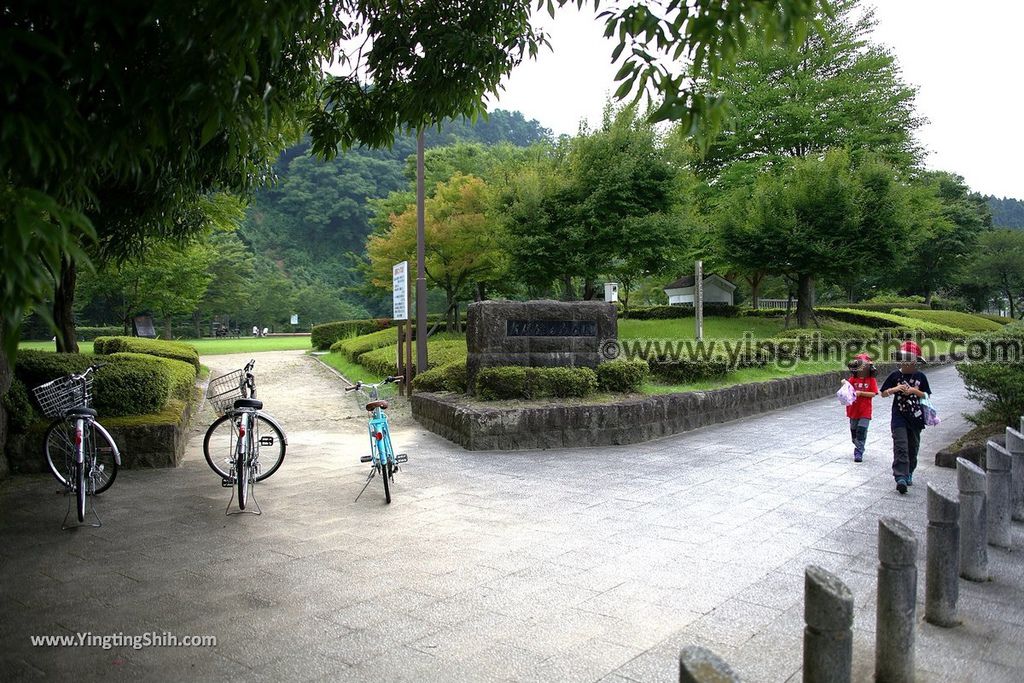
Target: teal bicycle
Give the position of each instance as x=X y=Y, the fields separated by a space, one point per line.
x=382 y=455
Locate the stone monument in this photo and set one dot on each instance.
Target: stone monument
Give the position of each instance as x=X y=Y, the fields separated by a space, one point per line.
x=537 y=334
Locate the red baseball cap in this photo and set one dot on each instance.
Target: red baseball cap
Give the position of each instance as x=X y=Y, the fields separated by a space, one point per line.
x=910 y=349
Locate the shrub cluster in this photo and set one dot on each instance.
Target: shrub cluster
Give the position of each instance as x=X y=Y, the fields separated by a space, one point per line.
x=322 y=337
x=384 y=360
x=90 y=333
x=689 y=370
x=1001 y=319
x=626 y=376
x=153 y=347
x=680 y=311
x=999 y=387
x=450 y=377
x=20 y=413
x=353 y=347
x=510 y=382
x=884 y=307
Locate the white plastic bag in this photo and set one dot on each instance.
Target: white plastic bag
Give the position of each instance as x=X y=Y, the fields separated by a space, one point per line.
x=846 y=394
x=931 y=416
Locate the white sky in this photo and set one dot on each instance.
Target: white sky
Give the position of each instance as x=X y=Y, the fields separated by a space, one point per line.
x=966 y=58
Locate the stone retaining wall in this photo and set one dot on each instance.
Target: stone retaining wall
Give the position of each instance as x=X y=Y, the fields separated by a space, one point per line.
x=479 y=427
x=155 y=445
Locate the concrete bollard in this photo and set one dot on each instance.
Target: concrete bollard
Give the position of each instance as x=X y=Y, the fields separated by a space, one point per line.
x=997 y=464
x=1015 y=445
x=897 y=602
x=828 y=634
x=700 y=665
x=941 y=578
x=970 y=481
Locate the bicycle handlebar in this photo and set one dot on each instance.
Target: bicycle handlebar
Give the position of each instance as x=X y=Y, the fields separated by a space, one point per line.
x=250 y=365
x=387 y=380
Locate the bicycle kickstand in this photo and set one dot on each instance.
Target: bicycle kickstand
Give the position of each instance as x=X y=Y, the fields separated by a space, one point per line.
x=252 y=500
x=373 y=471
x=64 y=526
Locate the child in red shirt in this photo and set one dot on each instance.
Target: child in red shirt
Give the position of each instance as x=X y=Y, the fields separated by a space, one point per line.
x=862 y=377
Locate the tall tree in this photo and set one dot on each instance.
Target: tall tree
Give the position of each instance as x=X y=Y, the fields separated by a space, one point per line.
x=462 y=245
x=576 y=215
x=816 y=217
x=835 y=89
x=998 y=267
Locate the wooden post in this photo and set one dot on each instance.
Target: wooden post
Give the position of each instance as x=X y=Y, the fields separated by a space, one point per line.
x=698 y=298
x=407 y=377
x=401 y=354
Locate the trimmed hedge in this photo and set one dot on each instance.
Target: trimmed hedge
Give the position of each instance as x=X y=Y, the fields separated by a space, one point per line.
x=681 y=311
x=626 y=376
x=885 y=307
x=91 y=333
x=131 y=387
x=687 y=371
x=153 y=347
x=20 y=413
x=353 y=347
x=450 y=377
x=876 y=319
x=383 y=361
x=1001 y=319
x=510 y=382
x=182 y=375
x=322 y=337
x=38 y=367
x=963 y=321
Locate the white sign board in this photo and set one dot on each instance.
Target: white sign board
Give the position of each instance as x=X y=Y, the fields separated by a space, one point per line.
x=295 y=318
x=400 y=290
x=611 y=291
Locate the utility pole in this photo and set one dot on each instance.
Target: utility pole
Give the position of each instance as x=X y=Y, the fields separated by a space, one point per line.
x=421 y=271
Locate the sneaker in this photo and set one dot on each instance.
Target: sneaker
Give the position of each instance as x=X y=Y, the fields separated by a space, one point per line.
x=910 y=480
x=857 y=457
x=901 y=485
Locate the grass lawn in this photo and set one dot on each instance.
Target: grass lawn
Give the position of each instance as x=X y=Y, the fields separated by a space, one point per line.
x=353 y=372
x=714 y=328
x=207 y=347
x=746 y=376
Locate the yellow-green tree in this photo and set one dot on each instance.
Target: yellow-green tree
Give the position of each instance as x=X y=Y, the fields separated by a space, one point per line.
x=462 y=240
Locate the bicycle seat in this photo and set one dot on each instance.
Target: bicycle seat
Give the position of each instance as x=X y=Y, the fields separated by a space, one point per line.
x=248 y=403
x=81 y=410
x=383 y=405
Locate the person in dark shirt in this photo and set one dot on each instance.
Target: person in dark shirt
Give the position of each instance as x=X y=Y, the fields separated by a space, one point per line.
x=909 y=386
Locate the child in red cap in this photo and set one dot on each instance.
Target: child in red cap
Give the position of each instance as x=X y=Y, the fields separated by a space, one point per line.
x=862 y=377
x=909 y=386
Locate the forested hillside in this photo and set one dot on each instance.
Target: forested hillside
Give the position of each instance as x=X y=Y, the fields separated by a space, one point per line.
x=1006 y=212
x=310 y=229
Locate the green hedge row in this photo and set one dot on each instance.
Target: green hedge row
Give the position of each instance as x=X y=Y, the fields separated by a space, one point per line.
x=680 y=311
x=353 y=347
x=322 y=337
x=125 y=386
x=510 y=382
x=964 y=321
x=450 y=377
x=687 y=371
x=625 y=376
x=886 y=307
x=877 y=319
x=153 y=347
x=181 y=375
x=383 y=361
x=1001 y=319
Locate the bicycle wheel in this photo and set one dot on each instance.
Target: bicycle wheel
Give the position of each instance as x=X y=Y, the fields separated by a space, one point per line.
x=101 y=468
x=59 y=446
x=222 y=439
x=385 y=475
x=80 y=490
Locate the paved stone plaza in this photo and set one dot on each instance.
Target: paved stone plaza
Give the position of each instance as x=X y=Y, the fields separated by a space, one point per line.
x=569 y=565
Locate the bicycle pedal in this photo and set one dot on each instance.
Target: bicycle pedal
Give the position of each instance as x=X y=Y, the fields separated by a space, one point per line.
x=226 y=483
x=402 y=457
x=366 y=458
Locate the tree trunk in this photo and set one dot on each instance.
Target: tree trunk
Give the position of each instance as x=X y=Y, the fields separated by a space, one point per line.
x=928 y=297
x=6 y=375
x=195 y=324
x=567 y=292
x=588 y=289
x=168 y=331
x=755 y=281
x=481 y=291
x=805 y=300
x=63 y=301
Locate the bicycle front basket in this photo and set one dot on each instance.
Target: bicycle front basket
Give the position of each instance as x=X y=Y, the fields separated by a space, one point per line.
x=57 y=397
x=222 y=391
